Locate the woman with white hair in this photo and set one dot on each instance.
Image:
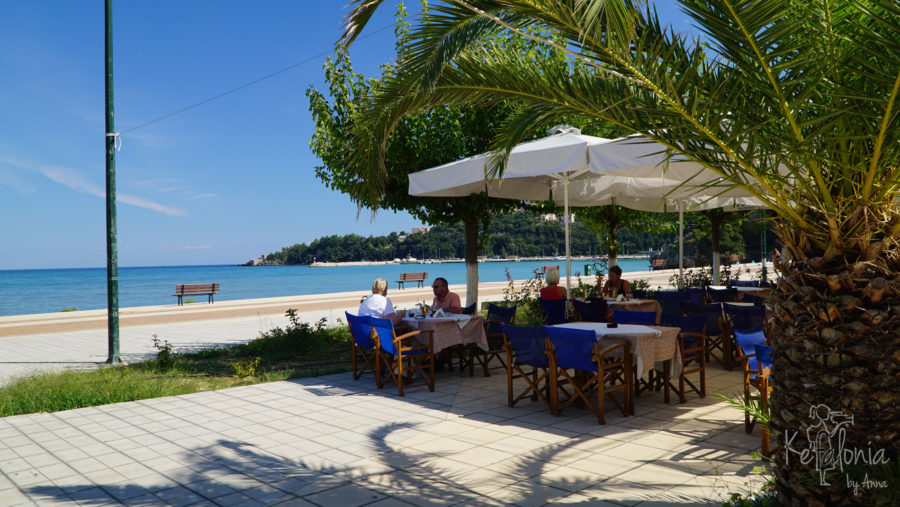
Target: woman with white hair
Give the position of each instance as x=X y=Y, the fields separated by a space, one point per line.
x=553 y=291
x=378 y=305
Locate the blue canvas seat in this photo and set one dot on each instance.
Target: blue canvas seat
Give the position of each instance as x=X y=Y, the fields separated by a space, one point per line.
x=591 y=311
x=670 y=300
x=554 y=311
x=750 y=298
x=400 y=358
x=597 y=372
x=497 y=316
x=634 y=317
x=744 y=283
x=363 y=346
x=723 y=295
x=526 y=358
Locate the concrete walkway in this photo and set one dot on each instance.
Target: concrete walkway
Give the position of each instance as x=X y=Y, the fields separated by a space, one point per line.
x=333 y=441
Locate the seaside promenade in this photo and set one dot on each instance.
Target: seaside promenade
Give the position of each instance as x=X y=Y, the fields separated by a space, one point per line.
x=334 y=441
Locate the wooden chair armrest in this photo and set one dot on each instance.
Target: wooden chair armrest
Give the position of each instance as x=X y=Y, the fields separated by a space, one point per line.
x=402 y=337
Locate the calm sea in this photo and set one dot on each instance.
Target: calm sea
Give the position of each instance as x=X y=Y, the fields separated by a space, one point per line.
x=51 y=290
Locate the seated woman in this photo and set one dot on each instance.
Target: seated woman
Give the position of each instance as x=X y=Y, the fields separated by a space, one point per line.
x=615 y=285
x=553 y=291
x=378 y=305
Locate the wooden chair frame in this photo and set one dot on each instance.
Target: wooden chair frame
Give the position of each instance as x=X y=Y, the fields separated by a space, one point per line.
x=359 y=351
x=402 y=366
x=584 y=384
x=533 y=378
x=483 y=357
x=698 y=361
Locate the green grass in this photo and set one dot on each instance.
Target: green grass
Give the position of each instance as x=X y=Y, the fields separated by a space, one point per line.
x=298 y=351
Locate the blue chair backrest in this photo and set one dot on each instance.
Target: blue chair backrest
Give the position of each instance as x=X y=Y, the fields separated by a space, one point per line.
x=764 y=356
x=529 y=344
x=574 y=347
x=639 y=293
x=692 y=324
x=384 y=328
x=470 y=310
x=555 y=310
x=670 y=300
x=698 y=294
x=723 y=295
x=747 y=340
x=361 y=329
x=593 y=311
x=634 y=317
x=670 y=319
x=745 y=317
x=497 y=312
x=744 y=283
x=712 y=311
x=750 y=298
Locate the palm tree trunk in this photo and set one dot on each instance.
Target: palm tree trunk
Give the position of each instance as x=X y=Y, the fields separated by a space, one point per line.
x=471 y=234
x=836 y=354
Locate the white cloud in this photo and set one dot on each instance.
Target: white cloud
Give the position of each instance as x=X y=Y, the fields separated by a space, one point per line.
x=205 y=195
x=73 y=179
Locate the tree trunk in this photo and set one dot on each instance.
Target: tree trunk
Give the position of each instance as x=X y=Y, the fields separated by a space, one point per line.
x=612 y=238
x=471 y=232
x=715 y=221
x=836 y=377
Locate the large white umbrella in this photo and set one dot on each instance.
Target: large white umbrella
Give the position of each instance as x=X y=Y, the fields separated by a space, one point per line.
x=534 y=171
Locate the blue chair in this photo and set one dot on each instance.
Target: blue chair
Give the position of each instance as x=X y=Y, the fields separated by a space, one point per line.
x=670 y=319
x=591 y=311
x=399 y=358
x=606 y=371
x=745 y=317
x=744 y=283
x=634 y=317
x=764 y=359
x=554 y=311
x=470 y=310
x=670 y=300
x=723 y=295
x=497 y=316
x=716 y=339
x=750 y=298
x=363 y=345
x=692 y=344
x=639 y=294
x=698 y=294
x=746 y=341
x=526 y=347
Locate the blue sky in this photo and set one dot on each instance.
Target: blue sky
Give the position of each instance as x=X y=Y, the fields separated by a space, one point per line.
x=218 y=184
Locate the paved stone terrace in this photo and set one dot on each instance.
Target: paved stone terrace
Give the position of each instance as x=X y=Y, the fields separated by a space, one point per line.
x=335 y=441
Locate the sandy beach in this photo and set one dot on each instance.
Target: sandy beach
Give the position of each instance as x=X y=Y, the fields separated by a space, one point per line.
x=311 y=307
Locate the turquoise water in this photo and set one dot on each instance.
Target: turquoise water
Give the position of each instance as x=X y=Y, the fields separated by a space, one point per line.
x=51 y=290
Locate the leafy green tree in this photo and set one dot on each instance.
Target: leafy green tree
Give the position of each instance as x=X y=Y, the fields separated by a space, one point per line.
x=794 y=101
x=419 y=141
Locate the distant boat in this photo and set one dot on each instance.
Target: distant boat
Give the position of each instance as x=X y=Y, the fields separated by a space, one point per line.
x=409 y=260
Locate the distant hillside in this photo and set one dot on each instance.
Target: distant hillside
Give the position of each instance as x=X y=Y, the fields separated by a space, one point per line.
x=523 y=234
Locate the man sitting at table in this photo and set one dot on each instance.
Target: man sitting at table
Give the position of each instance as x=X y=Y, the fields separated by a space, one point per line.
x=443 y=298
x=615 y=285
x=378 y=305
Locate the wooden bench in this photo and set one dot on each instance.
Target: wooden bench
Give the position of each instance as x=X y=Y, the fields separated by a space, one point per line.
x=419 y=278
x=196 y=289
x=543 y=271
x=657 y=264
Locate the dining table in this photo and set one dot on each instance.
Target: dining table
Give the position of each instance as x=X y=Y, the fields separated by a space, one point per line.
x=451 y=329
x=649 y=345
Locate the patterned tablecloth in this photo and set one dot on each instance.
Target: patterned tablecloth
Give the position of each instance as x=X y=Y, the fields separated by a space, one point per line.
x=640 y=305
x=448 y=332
x=648 y=348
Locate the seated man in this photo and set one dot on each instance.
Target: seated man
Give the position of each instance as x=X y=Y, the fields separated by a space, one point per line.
x=443 y=298
x=378 y=305
x=615 y=285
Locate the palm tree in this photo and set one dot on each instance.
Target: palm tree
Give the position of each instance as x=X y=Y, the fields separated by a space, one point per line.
x=795 y=101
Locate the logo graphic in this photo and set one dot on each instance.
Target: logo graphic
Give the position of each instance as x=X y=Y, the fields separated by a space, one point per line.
x=827 y=451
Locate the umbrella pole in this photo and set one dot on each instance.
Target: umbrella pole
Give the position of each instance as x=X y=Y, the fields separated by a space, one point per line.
x=566 y=222
x=681 y=245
